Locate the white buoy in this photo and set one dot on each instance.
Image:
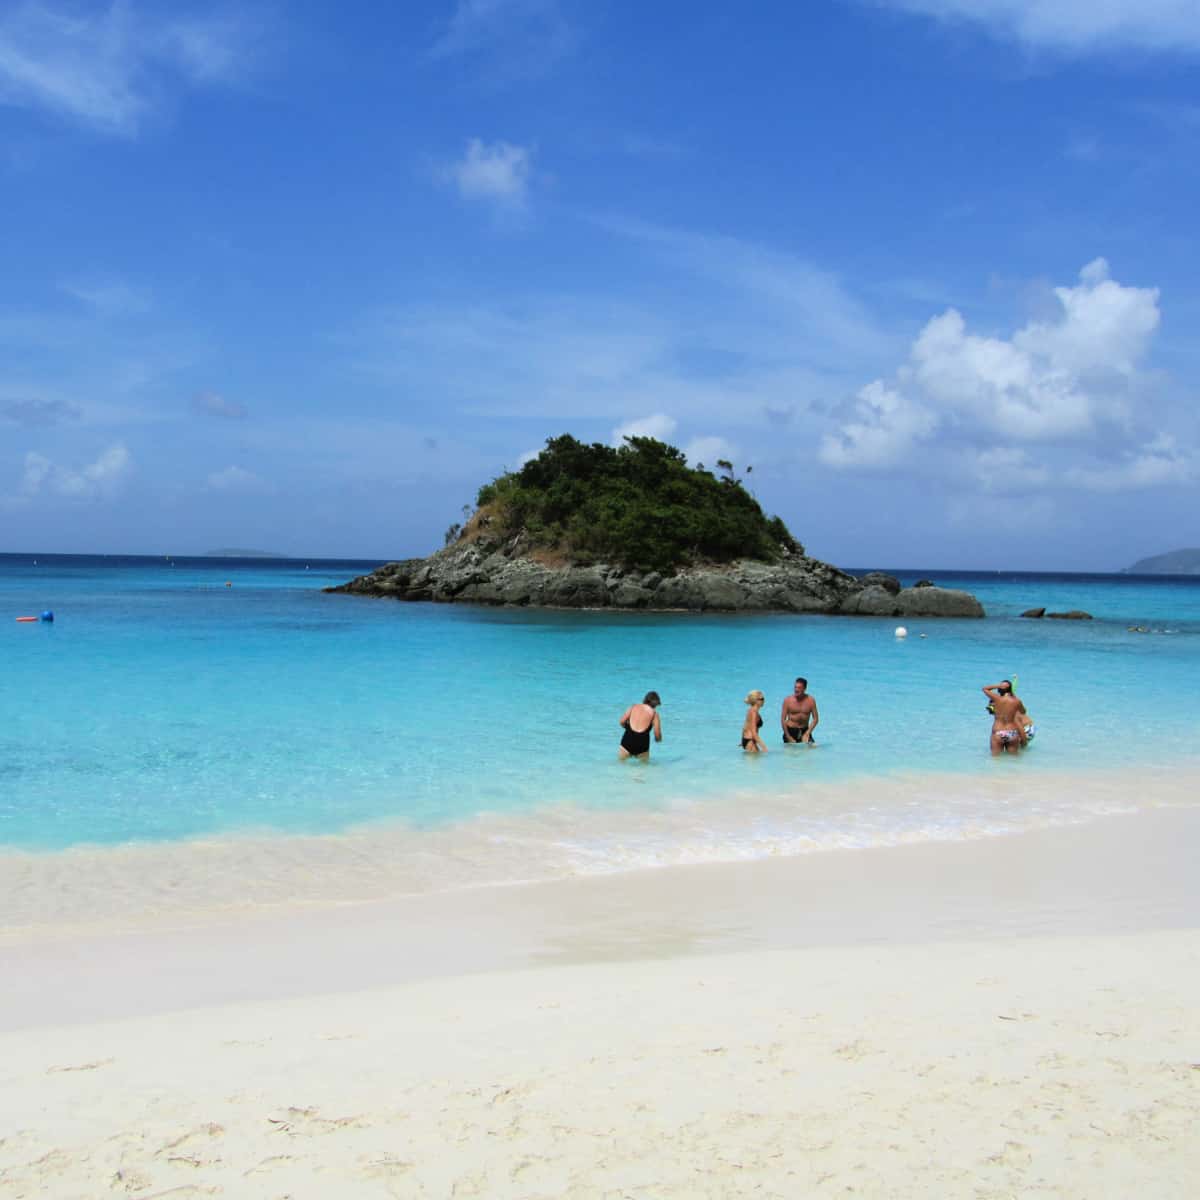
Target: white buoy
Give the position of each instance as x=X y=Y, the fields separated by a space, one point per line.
x=901 y=631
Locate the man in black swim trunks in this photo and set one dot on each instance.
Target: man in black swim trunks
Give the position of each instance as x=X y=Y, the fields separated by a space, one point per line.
x=799 y=716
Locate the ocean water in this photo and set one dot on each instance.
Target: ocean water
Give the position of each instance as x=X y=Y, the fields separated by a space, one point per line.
x=164 y=708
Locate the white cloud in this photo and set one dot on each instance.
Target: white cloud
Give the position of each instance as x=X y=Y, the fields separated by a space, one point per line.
x=720 y=330
x=708 y=450
x=653 y=425
x=235 y=479
x=1052 y=380
x=94 y=481
x=883 y=429
x=109 y=66
x=1075 y=25
x=1161 y=462
x=499 y=172
x=994 y=383
x=786 y=294
x=109 y=298
x=214 y=405
x=520 y=38
x=38 y=414
x=1105 y=326
x=1004 y=469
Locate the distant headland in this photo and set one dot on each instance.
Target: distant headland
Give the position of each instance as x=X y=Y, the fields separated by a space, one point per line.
x=636 y=527
x=234 y=552
x=1175 y=562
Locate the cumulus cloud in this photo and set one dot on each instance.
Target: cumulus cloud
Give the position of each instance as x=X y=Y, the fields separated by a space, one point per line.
x=883 y=428
x=95 y=481
x=1052 y=378
x=235 y=479
x=653 y=425
x=213 y=404
x=1075 y=25
x=108 y=66
x=498 y=172
x=1064 y=380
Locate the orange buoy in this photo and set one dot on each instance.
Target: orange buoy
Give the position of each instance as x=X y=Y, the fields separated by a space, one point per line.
x=27 y=618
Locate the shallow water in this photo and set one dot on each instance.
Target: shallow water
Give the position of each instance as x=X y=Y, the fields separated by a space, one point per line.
x=162 y=705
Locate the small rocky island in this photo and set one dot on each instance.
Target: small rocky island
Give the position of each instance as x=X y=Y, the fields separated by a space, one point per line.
x=636 y=527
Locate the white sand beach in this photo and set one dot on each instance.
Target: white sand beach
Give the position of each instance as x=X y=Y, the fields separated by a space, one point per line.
x=1010 y=1017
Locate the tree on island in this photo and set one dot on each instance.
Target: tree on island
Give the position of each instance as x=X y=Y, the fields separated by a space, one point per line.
x=638 y=504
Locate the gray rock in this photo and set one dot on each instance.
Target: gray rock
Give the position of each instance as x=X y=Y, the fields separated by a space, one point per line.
x=912 y=602
x=486 y=571
x=872 y=601
x=1076 y=614
x=924 y=583
x=676 y=592
x=1034 y=612
x=938 y=602
x=881 y=579
x=718 y=592
x=631 y=595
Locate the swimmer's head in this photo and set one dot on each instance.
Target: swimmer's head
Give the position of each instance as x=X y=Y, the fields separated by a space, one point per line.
x=1005 y=687
x=651 y=698
x=755 y=697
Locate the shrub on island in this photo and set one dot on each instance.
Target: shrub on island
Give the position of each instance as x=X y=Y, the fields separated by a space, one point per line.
x=639 y=504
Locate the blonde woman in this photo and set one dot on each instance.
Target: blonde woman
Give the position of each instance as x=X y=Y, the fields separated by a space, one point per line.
x=752 y=743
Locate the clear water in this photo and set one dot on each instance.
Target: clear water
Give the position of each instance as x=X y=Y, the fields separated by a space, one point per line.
x=163 y=705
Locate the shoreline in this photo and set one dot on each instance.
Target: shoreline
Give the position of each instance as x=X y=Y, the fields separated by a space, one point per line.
x=131 y=886
x=1003 y=1017
x=1115 y=875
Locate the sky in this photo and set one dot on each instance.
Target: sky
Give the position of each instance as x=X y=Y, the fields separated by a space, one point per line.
x=301 y=277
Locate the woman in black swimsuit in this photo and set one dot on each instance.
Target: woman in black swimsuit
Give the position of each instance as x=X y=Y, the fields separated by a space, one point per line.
x=751 y=742
x=639 y=721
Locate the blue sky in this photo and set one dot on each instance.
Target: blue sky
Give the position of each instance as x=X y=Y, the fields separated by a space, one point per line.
x=302 y=276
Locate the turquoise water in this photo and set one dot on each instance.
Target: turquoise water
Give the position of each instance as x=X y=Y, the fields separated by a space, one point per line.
x=163 y=705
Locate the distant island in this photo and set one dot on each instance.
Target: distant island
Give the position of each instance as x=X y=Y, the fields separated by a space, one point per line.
x=636 y=527
x=231 y=552
x=1175 y=562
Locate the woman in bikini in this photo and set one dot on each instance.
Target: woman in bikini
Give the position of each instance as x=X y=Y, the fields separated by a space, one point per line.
x=1008 y=725
x=751 y=742
x=640 y=721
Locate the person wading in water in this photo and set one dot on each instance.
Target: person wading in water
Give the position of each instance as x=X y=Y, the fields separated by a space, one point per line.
x=799 y=717
x=1008 y=727
x=639 y=721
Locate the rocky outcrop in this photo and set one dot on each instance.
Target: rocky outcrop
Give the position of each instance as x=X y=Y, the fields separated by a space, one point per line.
x=911 y=602
x=1076 y=614
x=488 y=572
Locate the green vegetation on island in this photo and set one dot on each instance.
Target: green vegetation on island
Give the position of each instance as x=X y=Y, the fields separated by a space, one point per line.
x=639 y=504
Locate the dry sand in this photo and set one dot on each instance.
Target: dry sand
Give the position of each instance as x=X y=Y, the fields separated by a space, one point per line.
x=1002 y=1019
